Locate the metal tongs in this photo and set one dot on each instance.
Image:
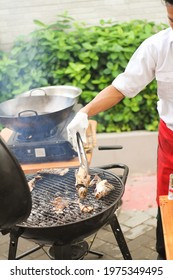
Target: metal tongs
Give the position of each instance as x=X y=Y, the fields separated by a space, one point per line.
x=81 y=153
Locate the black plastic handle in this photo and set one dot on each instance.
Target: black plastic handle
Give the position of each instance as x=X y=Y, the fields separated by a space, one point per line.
x=116 y=147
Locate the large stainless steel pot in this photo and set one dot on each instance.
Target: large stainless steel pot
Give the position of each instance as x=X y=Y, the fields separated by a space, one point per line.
x=33 y=114
x=61 y=90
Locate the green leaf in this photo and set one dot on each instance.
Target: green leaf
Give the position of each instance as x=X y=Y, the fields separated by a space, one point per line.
x=40 y=23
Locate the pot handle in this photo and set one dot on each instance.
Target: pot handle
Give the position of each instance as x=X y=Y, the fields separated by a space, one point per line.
x=40 y=90
x=26 y=112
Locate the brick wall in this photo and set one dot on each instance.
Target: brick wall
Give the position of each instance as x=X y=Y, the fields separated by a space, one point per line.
x=16 y=16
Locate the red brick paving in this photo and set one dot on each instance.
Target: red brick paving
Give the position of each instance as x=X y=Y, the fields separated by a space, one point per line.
x=140 y=193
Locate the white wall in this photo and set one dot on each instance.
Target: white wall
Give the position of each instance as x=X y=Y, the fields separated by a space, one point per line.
x=139 y=151
x=16 y=16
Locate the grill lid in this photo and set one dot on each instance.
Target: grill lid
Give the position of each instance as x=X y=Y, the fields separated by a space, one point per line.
x=15 y=197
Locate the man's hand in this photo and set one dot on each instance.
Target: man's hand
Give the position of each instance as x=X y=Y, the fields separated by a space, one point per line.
x=78 y=124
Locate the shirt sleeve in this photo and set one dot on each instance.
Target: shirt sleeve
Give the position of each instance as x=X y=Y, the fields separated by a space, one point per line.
x=140 y=71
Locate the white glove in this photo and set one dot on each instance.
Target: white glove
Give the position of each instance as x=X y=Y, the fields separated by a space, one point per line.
x=78 y=124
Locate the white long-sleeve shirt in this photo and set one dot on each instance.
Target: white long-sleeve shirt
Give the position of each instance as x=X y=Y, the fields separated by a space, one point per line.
x=152 y=60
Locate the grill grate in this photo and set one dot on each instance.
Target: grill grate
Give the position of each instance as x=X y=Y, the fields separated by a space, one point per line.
x=52 y=185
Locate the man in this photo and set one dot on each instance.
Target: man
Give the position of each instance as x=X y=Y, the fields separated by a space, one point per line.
x=152 y=60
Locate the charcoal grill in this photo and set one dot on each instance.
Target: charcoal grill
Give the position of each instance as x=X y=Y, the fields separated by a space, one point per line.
x=44 y=226
x=40 y=224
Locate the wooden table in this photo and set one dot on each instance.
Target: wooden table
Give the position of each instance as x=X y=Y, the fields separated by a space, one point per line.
x=34 y=167
x=166 y=207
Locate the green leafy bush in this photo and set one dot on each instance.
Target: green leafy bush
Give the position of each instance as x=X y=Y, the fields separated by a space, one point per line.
x=89 y=57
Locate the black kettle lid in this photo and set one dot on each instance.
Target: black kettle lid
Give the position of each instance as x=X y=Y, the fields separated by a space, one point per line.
x=15 y=196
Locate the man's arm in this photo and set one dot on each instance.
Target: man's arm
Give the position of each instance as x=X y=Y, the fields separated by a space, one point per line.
x=106 y=99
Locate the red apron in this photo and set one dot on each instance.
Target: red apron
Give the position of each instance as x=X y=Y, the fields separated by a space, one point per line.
x=164 y=159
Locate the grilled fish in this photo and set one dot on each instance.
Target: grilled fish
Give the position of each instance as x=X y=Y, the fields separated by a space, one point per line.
x=85 y=208
x=95 y=180
x=82 y=191
x=102 y=187
x=31 y=183
x=59 y=204
x=57 y=171
x=82 y=182
x=82 y=178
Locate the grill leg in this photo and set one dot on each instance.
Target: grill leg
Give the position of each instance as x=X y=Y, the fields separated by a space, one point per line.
x=120 y=237
x=98 y=254
x=14 y=235
x=35 y=249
